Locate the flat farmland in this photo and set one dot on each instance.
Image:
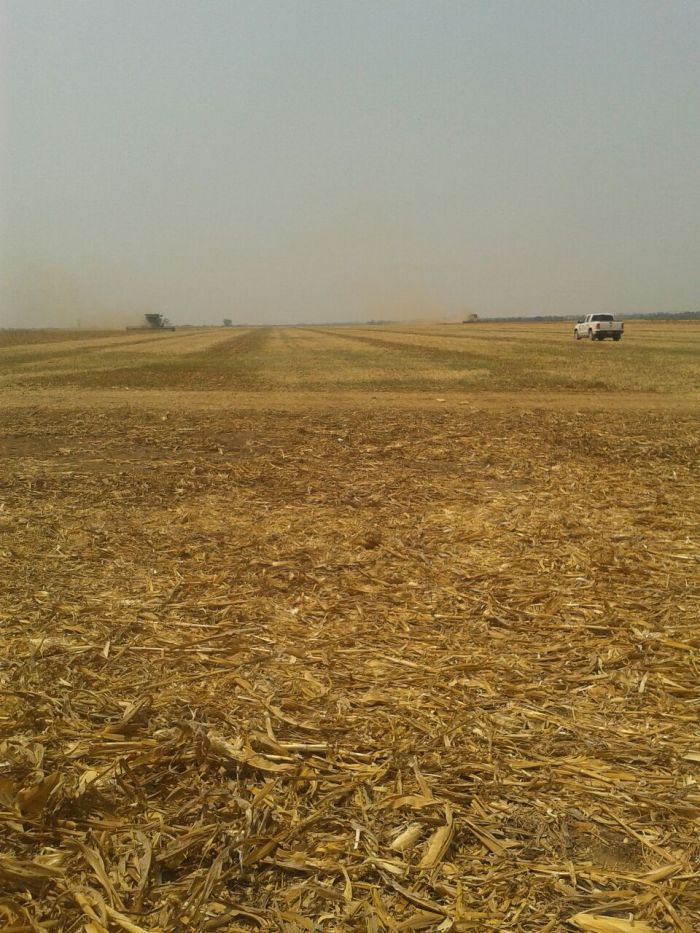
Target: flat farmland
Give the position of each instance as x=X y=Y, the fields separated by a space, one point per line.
x=659 y=359
x=350 y=628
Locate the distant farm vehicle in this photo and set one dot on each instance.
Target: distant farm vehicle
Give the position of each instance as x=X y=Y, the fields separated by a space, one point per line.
x=598 y=327
x=158 y=322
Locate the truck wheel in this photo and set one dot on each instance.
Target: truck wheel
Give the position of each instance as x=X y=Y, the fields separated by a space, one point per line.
x=616 y=337
x=577 y=336
x=591 y=335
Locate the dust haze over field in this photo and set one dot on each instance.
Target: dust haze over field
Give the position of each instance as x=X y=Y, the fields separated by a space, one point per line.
x=43 y=295
x=327 y=161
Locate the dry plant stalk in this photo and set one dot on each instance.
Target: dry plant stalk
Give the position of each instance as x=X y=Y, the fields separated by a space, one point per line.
x=373 y=669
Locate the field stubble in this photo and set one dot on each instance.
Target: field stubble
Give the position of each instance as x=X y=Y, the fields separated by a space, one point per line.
x=373 y=667
x=661 y=359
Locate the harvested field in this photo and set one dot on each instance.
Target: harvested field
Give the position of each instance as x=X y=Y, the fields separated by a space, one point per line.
x=286 y=647
x=659 y=359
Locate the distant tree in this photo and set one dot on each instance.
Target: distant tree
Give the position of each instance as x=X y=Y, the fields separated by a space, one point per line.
x=228 y=322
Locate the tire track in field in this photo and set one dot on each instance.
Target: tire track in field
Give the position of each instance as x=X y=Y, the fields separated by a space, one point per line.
x=232 y=363
x=453 y=359
x=309 y=357
x=21 y=357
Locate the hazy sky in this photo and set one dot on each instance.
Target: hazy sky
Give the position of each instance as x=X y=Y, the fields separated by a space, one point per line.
x=319 y=161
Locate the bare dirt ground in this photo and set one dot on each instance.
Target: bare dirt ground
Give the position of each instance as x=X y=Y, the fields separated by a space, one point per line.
x=350 y=656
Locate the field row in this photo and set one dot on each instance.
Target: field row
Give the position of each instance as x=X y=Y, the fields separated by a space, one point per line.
x=653 y=357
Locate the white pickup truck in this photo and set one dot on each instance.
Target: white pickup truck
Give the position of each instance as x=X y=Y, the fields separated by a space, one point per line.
x=598 y=327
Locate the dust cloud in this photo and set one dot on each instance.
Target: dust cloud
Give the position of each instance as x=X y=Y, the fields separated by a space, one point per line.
x=36 y=295
x=328 y=162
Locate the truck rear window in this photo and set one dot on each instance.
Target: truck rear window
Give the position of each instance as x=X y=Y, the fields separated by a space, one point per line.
x=602 y=317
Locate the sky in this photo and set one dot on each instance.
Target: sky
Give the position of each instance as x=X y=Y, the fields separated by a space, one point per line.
x=317 y=160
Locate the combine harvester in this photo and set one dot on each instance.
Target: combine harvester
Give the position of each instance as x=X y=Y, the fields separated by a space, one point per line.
x=155 y=322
